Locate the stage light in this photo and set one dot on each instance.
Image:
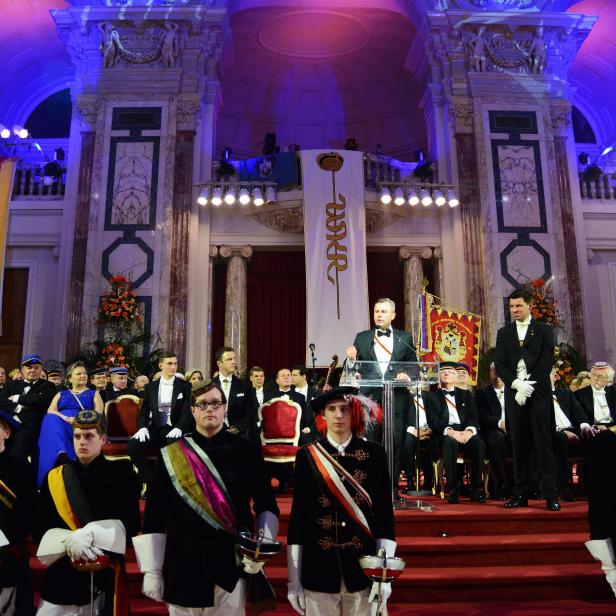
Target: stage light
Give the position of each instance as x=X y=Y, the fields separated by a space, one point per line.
x=230 y=195
x=385 y=195
x=426 y=199
x=217 y=196
x=270 y=194
x=438 y=198
x=21 y=132
x=452 y=199
x=398 y=196
x=413 y=198
x=244 y=197
x=204 y=196
x=5 y=133
x=257 y=197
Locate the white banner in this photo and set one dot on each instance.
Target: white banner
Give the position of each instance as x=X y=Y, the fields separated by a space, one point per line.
x=335 y=238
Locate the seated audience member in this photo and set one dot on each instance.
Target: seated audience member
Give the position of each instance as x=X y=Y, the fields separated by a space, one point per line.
x=140 y=382
x=299 y=380
x=257 y=378
x=118 y=384
x=566 y=414
x=28 y=399
x=56 y=430
x=598 y=402
x=17 y=500
x=163 y=417
x=418 y=424
x=15 y=375
x=490 y=402
x=452 y=417
x=3 y=382
x=463 y=376
x=91 y=507
x=194 y=376
x=55 y=376
x=581 y=380
x=98 y=378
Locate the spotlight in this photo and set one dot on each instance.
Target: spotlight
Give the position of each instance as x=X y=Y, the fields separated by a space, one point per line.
x=413 y=198
x=270 y=194
x=204 y=196
x=385 y=195
x=217 y=196
x=426 y=199
x=439 y=199
x=398 y=196
x=257 y=197
x=244 y=197
x=230 y=195
x=5 y=133
x=452 y=199
x=21 y=132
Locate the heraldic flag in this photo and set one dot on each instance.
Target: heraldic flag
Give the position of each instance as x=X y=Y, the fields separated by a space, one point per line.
x=447 y=333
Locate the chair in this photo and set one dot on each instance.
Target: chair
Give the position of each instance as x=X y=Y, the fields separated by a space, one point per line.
x=439 y=474
x=121 y=417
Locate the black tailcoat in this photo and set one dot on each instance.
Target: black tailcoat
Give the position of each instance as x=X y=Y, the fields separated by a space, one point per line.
x=586 y=409
x=242 y=406
x=180 y=416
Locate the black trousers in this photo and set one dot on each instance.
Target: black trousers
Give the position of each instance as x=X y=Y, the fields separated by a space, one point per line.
x=24 y=444
x=138 y=451
x=601 y=485
x=563 y=448
x=532 y=427
x=427 y=454
x=476 y=450
x=498 y=446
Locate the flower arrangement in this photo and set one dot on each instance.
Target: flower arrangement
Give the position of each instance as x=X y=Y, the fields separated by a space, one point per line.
x=113 y=355
x=119 y=303
x=543 y=305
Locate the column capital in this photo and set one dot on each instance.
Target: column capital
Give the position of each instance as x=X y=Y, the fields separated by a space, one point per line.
x=407 y=252
x=213 y=251
x=235 y=251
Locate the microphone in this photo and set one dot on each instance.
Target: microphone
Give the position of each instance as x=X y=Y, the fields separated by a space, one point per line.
x=312 y=347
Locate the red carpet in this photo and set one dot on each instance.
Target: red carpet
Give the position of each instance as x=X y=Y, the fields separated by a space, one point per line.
x=493 y=562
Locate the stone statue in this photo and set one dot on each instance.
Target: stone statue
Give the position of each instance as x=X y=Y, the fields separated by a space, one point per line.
x=110 y=43
x=170 y=45
x=537 y=52
x=478 y=50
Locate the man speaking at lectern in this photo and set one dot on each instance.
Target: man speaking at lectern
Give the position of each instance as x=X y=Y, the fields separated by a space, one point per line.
x=386 y=344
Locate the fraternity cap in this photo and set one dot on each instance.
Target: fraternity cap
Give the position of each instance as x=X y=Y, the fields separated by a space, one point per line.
x=337 y=393
x=31 y=358
x=463 y=366
x=88 y=420
x=448 y=364
x=600 y=365
x=97 y=371
x=54 y=372
x=9 y=420
x=118 y=370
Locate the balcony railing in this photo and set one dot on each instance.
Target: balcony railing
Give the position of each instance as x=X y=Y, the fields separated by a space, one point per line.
x=601 y=186
x=32 y=183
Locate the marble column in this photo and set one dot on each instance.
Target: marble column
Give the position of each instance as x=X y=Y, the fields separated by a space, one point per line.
x=571 y=258
x=210 y=305
x=80 y=245
x=178 y=283
x=413 y=282
x=236 y=313
x=438 y=255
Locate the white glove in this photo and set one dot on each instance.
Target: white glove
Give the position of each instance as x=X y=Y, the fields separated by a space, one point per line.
x=520 y=398
x=252 y=566
x=153 y=585
x=142 y=435
x=295 y=590
x=174 y=433
x=524 y=387
x=384 y=588
x=79 y=546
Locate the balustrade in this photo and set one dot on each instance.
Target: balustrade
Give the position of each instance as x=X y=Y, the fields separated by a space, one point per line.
x=598 y=187
x=31 y=183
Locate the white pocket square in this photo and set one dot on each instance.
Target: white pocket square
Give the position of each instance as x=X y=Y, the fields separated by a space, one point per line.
x=180 y=396
x=239 y=395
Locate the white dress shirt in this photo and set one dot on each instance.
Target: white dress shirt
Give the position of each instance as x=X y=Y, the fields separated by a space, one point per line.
x=423 y=420
x=165 y=395
x=383 y=349
x=454 y=416
x=340 y=447
x=260 y=395
x=600 y=407
x=562 y=421
x=303 y=390
x=500 y=394
x=522 y=328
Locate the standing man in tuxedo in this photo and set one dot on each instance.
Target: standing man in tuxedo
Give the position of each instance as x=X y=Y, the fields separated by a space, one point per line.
x=386 y=344
x=452 y=416
x=163 y=417
x=490 y=403
x=257 y=378
x=524 y=359
x=242 y=405
x=27 y=400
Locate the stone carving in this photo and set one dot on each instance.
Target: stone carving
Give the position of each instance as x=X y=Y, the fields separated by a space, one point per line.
x=537 y=52
x=213 y=251
x=561 y=117
x=478 y=45
x=462 y=110
x=285 y=220
x=377 y=219
x=88 y=108
x=112 y=47
x=188 y=109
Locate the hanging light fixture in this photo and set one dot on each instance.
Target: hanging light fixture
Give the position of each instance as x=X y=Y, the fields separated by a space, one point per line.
x=438 y=198
x=5 y=133
x=385 y=195
x=452 y=200
x=413 y=198
x=20 y=131
x=257 y=197
x=426 y=199
x=244 y=197
x=270 y=194
x=398 y=196
x=230 y=195
x=204 y=196
x=217 y=196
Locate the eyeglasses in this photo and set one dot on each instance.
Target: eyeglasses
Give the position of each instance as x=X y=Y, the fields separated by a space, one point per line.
x=215 y=404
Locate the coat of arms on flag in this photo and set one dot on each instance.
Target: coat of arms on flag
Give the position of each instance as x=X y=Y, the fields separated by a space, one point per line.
x=447 y=333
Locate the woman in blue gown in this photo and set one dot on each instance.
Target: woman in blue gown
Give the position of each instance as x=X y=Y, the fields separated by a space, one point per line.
x=56 y=429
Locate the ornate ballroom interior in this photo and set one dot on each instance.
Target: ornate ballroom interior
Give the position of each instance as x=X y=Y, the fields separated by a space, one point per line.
x=510 y=104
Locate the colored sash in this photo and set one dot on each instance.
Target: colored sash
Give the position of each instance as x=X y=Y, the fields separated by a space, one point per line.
x=452 y=407
x=377 y=341
x=73 y=508
x=199 y=484
x=331 y=471
x=7 y=496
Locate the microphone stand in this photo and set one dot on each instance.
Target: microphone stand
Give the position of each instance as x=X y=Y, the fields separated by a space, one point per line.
x=314 y=379
x=417 y=491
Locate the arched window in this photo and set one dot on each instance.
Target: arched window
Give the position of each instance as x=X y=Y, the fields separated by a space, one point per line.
x=582 y=130
x=52 y=118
